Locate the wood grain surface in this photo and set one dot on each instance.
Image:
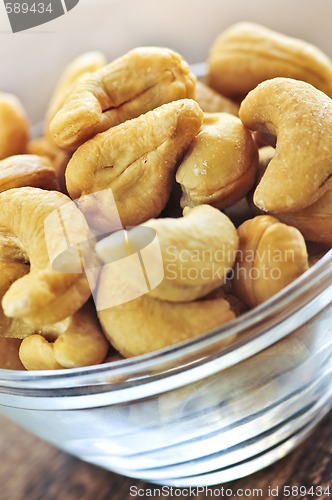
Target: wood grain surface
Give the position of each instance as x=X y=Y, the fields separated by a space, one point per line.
x=33 y=470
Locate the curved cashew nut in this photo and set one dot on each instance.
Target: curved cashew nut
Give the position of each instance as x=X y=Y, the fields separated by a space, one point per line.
x=271 y=256
x=301 y=118
x=85 y=63
x=137 y=82
x=146 y=324
x=27 y=170
x=247 y=54
x=314 y=221
x=44 y=295
x=220 y=166
x=137 y=160
x=75 y=341
x=81 y=344
x=14 y=126
x=12 y=330
x=198 y=251
x=16 y=328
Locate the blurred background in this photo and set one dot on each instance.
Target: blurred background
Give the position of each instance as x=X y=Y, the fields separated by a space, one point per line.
x=32 y=60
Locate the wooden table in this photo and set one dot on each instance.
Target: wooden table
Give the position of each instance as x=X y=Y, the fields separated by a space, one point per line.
x=33 y=470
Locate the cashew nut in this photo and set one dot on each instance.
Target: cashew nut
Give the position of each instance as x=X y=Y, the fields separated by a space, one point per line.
x=146 y=324
x=44 y=295
x=137 y=82
x=212 y=102
x=85 y=63
x=81 y=344
x=197 y=250
x=11 y=271
x=58 y=157
x=314 y=221
x=247 y=54
x=74 y=341
x=14 y=126
x=301 y=118
x=27 y=170
x=270 y=257
x=11 y=330
x=137 y=160
x=220 y=166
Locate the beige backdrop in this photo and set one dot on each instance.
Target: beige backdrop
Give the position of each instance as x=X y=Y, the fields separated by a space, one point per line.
x=32 y=60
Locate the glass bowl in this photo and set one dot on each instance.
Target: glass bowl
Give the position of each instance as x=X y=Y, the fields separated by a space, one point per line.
x=197 y=413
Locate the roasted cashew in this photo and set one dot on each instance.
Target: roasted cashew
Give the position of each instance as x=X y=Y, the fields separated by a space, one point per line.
x=59 y=158
x=74 y=341
x=81 y=344
x=270 y=257
x=146 y=324
x=135 y=161
x=314 y=221
x=212 y=102
x=85 y=63
x=11 y=271
x=220 y=166
x=27 y=170
x=14 y=126
x=204 y=241
x=12 y=330
x=137 y=82
x=44 y=295
x=301 y=118
x=247 y=54
x=198 y=251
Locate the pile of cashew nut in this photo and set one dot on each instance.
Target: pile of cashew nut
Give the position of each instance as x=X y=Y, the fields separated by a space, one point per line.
x=155 y=207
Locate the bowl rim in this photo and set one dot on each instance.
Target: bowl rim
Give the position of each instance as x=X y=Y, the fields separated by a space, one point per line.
x=256 y=330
